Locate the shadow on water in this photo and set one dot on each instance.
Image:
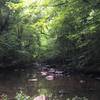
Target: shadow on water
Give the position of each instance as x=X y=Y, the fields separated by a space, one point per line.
x=61 y=87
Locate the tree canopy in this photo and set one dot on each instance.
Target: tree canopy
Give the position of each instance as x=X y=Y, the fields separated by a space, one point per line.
x=57 y=30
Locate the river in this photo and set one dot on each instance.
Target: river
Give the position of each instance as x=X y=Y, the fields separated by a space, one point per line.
x=59 y=87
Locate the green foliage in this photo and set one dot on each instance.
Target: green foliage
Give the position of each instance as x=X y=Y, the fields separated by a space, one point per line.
x=22 y=96
x=50 y=29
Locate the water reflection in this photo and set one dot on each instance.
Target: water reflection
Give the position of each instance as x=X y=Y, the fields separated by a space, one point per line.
x=60 y=87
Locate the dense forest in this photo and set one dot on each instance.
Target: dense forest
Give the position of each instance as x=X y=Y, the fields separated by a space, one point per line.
x=49 y=50
x=51 y=31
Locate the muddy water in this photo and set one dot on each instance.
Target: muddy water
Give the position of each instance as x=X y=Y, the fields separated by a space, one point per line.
x=61 y=87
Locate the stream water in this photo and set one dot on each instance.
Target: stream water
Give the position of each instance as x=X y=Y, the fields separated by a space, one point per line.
x=58 y=87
